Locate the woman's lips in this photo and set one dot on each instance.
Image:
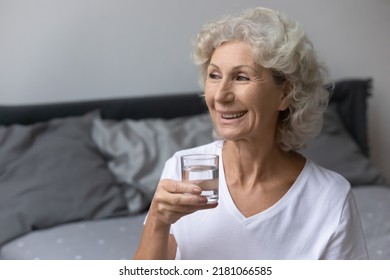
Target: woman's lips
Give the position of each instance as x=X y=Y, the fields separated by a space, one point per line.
x=232 y=115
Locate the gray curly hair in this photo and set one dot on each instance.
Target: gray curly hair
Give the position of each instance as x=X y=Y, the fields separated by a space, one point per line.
x=279 y=44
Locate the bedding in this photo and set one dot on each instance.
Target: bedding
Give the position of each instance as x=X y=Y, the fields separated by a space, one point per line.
x=52 y=173
x=373 y=202
x=121 y=149
x=110 y=239
x=137 y=150
x=342 y=153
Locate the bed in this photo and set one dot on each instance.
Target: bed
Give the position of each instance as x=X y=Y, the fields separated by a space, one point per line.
x=76 y=178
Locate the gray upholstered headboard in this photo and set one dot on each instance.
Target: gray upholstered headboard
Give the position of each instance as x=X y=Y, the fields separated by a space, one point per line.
x=160 y=106
x=351 y=98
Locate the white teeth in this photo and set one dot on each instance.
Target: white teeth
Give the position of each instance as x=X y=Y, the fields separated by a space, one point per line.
x=233 y=116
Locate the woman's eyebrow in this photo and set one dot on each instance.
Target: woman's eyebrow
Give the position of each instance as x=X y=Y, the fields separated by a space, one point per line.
x=237 y=67
x=245 y=66
x=214 y=65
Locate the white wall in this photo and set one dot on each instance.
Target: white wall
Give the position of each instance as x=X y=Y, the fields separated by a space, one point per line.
x=59 y=50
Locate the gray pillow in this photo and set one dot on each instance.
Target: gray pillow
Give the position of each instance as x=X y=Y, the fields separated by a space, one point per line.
x=52 y=173
x=138 y=149
x=335 y=149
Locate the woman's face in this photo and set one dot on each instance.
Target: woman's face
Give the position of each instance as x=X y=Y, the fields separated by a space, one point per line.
x=243 y=100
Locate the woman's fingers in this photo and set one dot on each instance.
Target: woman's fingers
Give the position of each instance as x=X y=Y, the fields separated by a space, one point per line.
x=190 y=207
x=175 y=199
x=178 y=193
x=180 y=187
x=169 y=214
x=179 y=199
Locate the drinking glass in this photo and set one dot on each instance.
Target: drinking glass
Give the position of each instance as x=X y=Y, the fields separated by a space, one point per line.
x=202 y=170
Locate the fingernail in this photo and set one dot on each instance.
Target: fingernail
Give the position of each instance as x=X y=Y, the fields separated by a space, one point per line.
x=202 y=200
x=197 y=190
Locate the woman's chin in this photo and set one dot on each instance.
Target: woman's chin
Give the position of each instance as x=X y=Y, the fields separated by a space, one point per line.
x=227 y=135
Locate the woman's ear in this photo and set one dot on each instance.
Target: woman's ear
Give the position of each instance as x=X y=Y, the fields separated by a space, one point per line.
x=285 y=100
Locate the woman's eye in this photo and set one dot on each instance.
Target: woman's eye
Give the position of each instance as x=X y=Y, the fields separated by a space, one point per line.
x=214 y=76
x=242 y=78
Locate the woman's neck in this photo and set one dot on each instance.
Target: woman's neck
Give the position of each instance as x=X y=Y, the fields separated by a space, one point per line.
x=249 y=164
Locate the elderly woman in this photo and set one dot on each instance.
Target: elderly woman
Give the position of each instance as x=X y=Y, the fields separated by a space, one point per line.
x=264 y=88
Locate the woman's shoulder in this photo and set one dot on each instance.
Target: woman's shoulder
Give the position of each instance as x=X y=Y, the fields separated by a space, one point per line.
x=326 y=179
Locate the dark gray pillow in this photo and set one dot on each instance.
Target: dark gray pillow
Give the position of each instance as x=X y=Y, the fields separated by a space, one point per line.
x=335 y=149
x=52 y=173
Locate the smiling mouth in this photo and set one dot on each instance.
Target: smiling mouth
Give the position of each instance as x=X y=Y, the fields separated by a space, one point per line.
x=231 y=116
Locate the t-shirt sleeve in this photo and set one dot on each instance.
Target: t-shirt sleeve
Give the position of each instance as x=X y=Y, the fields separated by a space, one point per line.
x=348 y=241
x=171 y=169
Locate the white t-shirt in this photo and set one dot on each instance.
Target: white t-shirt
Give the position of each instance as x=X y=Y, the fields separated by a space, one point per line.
x=316 y=219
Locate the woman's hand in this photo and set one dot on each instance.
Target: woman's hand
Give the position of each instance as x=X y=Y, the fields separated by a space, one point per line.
x=172 y=200
x=175 y=199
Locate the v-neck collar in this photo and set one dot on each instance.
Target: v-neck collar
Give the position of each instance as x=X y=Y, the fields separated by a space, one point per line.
x=265 y=214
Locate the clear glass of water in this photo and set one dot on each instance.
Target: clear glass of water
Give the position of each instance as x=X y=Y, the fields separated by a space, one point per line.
x=202 y=170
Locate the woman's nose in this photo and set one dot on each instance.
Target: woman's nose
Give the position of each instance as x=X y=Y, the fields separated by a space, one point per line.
x=224 y=92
